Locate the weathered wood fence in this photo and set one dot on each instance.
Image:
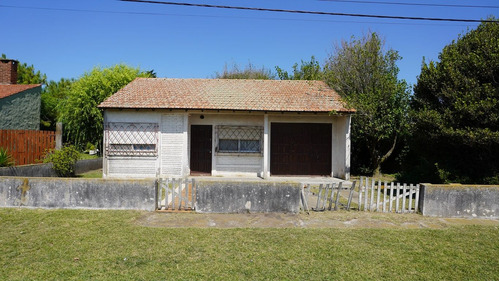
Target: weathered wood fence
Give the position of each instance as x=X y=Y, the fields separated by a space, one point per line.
x=27 y=146
x=328 y=197
x=375 y=196
x=175 y=194
x=369 y=195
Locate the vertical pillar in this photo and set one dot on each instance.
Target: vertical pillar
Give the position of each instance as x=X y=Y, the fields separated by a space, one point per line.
x=59 y=128
x=266 y=158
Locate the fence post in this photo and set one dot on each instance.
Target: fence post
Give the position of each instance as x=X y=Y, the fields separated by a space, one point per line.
x=339 y=187
x=403 y=209
x=349 y=200
x=391 y=197
x=330 y=201
x=366 y=194
x=410 y=209
x=359 y=193
x=385 y=196
x=398 y=187
x=59 y=131
x=417 y=202
x=372 y=193
x=378 y=196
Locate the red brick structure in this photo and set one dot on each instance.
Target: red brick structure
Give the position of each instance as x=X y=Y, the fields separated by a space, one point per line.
x=8 y=71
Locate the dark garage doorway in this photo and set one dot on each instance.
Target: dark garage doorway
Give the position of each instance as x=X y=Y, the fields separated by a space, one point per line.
x=301 y=149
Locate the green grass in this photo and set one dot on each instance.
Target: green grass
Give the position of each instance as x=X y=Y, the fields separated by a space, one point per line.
x=107 y=245
x=95 y=174
x=85 y=156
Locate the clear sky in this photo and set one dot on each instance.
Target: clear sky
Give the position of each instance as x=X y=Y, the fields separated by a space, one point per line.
x=66 y=38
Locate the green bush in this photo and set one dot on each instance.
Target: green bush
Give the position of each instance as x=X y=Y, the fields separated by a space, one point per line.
x=6 y=159
x=63 y=160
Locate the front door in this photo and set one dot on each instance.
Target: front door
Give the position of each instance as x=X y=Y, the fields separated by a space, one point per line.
x=201 y=150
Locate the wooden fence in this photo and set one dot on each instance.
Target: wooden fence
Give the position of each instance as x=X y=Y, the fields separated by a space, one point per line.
x=27 y=146
x=328 y=197
x=376 y=196
x=175 y=194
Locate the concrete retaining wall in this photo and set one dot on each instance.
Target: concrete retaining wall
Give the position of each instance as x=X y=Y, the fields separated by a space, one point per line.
x=247 y=197
x=455 y=200
x=45 y=170
x=76 y=193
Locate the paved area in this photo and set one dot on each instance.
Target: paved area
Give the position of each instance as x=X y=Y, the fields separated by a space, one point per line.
x=327 y=219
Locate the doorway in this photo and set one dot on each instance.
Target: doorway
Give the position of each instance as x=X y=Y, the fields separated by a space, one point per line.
x=201 y=150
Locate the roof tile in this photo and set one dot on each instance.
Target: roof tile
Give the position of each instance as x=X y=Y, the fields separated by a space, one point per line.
x=11 y=89
x=228 y=94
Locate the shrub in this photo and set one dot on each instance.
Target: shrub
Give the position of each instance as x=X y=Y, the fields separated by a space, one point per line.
x=6 y=159
x=63 y=160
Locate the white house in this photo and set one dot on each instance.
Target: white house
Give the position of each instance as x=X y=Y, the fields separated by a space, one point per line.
x=226 y=127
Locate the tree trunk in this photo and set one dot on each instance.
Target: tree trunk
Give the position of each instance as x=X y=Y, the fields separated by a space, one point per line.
x=381 y=160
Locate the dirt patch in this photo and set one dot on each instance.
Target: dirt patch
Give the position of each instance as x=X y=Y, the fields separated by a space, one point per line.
x=340 y=219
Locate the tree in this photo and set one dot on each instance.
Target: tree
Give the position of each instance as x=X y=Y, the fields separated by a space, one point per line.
x=455 y=111
x=365 y=75
x=53 y=95
x=309 y=70
x=83 y=121
x=249 y=72
x=27 y=74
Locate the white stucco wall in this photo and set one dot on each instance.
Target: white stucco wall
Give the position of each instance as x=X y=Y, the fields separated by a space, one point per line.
x=174 y=143
x=133 y=166
x=231 y=164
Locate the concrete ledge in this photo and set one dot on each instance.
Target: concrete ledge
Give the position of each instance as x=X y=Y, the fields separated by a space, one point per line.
x=76 y=193
x=45 y=170
x=456 y=200
x=247 y=197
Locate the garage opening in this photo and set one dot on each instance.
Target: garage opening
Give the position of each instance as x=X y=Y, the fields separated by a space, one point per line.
x=301 y=149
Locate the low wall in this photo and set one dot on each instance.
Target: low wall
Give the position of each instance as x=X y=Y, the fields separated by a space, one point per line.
x=247 y=197
x=455 y=200
x=74 y=193
x=45 y=170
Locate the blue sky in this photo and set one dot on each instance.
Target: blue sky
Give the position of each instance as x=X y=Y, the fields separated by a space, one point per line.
x=65 y=38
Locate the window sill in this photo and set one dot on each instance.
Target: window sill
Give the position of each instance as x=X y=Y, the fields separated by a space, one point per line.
x=239 y=154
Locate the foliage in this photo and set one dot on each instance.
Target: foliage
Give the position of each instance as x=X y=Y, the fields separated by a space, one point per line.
x=83 y=121
x=42 y=244
x=249 y=72
x=6 y=159
x=455 y=111
x=26 y=74
x=309 y=70
x=365 y=74
x=52 y=97
x=63 y=160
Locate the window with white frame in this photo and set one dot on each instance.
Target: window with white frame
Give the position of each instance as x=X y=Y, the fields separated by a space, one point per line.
x=239 y=139
x=131 y=139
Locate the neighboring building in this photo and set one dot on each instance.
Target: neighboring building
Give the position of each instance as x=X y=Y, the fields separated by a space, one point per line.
x=19 y=104
x=226 y=127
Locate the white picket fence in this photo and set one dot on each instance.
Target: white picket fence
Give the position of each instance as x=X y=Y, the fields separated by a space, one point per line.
x=375 y=196
x=175 y=194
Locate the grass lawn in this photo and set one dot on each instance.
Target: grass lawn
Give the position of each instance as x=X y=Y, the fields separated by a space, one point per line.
x=82 y=244
x=95 y=174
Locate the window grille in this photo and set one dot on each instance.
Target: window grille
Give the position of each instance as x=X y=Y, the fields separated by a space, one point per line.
x=131 y=139
x=239 y=139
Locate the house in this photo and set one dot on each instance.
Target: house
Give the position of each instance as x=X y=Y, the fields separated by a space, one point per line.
x=226 y=127
x=20 y=105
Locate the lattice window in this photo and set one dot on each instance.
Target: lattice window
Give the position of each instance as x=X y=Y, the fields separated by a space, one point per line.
x=131 y=139
x=239 y=139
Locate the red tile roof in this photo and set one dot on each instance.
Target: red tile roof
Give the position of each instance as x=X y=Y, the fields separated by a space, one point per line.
x=228 y=94
x=11 y=89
